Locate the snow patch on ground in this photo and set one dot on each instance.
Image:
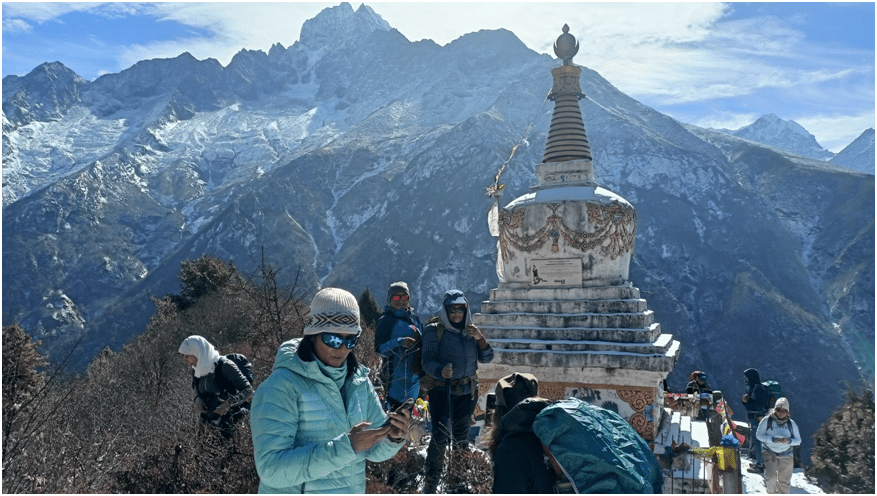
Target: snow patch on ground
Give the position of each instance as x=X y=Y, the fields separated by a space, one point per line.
x=755 y=483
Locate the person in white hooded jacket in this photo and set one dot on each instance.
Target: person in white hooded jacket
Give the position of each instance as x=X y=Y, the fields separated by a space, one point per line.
x=779 y=435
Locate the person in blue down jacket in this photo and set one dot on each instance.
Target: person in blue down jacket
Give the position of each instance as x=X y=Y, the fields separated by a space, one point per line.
x=397 y=340
x=779 y=435
x=452 y=348
x=317 y=418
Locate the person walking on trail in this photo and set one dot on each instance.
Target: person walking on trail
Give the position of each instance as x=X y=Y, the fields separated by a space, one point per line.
x=452 y=349
x=755 y=400
x=779 y=435
x=397 y=340
x=317 y=418
x=520 y=463
x=222 y=391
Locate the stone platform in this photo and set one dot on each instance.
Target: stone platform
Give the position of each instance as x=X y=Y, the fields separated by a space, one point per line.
x=601 y=344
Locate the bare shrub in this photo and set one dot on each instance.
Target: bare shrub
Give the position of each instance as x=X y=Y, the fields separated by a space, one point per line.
x=843 y=448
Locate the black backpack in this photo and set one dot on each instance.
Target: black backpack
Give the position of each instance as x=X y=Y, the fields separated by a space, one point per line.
x=242 y=363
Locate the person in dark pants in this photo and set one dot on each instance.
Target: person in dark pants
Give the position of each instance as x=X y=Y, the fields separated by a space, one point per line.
x=222 y=392
x=452 y=348
x=756 y=402
x=397 y=340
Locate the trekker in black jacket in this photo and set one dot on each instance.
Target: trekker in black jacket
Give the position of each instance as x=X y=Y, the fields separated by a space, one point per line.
x=520 y=466
x=222 y=392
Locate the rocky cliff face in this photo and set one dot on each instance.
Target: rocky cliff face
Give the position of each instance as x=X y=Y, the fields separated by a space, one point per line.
x=364 y=160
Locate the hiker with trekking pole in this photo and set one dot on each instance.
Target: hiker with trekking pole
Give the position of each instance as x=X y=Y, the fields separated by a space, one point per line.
x=452 y=349
x=397 y=340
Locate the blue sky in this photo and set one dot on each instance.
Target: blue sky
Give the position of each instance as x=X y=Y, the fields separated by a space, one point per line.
x=711 y=64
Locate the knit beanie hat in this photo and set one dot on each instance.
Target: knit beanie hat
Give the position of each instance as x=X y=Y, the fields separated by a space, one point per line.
x=333 y=310
x=782 y=403
x=514 y=388
x=397 y=287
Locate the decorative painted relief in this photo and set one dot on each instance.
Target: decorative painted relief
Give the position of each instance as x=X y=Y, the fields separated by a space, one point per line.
x=614 y=231
x=636 y=404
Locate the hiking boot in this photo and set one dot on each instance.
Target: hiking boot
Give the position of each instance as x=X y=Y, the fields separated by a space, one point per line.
x=756 y=469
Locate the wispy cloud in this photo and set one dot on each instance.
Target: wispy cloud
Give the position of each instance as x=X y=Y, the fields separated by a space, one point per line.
x=15 y=26
x=40 y=12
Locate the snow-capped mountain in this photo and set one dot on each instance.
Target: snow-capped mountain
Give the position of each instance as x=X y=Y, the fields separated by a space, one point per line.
x=858 y=155
x=786 y=135
x=363 y=158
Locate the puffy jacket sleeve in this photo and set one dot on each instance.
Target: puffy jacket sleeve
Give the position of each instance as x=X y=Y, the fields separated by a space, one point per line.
x=383 y=332
x=385 y=449
x=485 y=355
x=274 y=420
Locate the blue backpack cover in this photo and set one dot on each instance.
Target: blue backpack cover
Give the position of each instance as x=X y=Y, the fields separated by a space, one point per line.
x=599 y=450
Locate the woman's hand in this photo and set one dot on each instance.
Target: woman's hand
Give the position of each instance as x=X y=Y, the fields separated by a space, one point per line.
x=199 y=406
x=222 y=409
x=362 y=438
x=474 y=332
x=448 y=371
x=398 y=424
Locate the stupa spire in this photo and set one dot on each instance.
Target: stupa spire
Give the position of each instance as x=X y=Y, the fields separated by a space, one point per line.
x=567 y=139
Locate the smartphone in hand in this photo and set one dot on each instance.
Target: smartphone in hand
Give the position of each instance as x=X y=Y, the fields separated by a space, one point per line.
x=408 y=405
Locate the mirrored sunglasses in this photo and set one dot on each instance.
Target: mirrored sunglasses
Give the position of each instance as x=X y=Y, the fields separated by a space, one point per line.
x=403 y=297
x=335 y=341
x=456 y=310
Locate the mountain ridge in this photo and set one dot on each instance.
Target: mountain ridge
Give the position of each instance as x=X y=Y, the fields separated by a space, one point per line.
x=361 y=167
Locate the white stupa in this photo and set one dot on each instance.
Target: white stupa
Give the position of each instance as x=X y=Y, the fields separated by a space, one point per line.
x=565 y=310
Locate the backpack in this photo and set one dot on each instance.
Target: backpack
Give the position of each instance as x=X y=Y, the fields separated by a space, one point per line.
x=599 y=451
x=242 y=363
x=774 y=392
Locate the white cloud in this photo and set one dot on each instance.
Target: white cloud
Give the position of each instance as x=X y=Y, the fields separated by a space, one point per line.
x=40 y=12
x=837 y=131
x=15 y=26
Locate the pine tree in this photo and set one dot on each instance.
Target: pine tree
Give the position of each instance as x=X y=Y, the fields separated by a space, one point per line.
x=843 y=451
x=369 y=310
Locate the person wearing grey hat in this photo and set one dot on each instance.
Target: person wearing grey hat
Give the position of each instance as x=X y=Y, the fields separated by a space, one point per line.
x=452 y=349
x=397 y=340
x=302 y=413
x=779 y=435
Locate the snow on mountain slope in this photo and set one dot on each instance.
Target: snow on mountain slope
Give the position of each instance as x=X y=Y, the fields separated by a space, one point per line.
x=858 y=155
x=363 y=160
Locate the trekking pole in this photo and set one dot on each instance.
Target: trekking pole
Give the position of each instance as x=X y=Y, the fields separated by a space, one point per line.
x=450 y=415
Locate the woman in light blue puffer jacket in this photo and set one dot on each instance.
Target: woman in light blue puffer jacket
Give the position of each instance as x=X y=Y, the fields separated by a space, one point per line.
x=313 y=418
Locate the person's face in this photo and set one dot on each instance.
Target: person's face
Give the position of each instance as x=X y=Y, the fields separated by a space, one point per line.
x=190 y=360
x=333 y=357
x=456 y=313
x=399 y=301
x=781 y=413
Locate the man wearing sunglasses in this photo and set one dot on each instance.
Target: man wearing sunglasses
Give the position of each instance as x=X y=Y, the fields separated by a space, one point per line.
x=397 y=340
x=302 y=414
x=452 y=349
